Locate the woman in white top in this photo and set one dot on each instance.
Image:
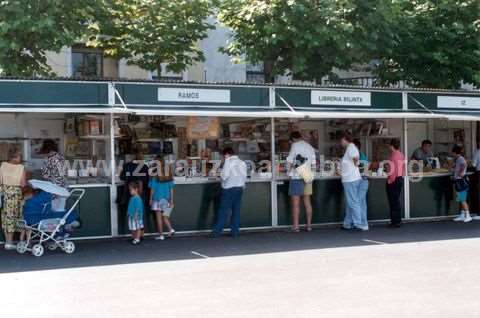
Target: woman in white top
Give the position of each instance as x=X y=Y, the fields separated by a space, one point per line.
x=12 y=180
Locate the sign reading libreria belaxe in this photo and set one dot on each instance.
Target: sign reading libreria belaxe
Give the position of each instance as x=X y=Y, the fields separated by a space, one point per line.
x=341 y=98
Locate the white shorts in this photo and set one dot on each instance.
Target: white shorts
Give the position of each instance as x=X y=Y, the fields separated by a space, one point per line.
x=162 y=206
x=135 y=224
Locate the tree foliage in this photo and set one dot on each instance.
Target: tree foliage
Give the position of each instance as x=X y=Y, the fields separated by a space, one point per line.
x=149 y=33
x=306 y=38
x=423 y=42
x=433 y=44
x=30 y=28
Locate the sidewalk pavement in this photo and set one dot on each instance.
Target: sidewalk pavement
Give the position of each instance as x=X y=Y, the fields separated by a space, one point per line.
x=120 y=251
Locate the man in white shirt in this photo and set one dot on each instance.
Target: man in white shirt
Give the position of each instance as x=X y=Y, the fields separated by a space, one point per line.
x=355 y=216
x=297 y=187
x=234 y=176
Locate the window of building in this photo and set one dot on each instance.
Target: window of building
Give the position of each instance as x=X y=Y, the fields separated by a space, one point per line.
x=87 y=62
x=255 y=73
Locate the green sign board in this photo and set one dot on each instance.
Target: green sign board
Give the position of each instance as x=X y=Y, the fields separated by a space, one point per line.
x=188 y=96
x=317 y=99
x=47 y=94
x=444 y=102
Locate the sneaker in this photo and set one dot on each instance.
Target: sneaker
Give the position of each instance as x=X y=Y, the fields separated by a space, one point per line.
x=10 y=246
x=160 y=238
x=460 y=218
x=467 y=219
x=135 y=242
x=171 y=233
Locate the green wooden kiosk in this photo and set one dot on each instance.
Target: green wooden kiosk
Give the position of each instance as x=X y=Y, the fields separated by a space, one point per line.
x=266 y=202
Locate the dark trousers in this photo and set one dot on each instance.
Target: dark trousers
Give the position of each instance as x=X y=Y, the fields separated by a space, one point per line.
x=474 y=192
x=230 y=201
x=394 y=191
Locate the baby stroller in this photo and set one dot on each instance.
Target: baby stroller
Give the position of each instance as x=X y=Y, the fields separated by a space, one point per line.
x=47 y=225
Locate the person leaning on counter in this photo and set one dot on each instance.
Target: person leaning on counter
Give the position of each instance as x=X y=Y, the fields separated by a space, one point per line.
x=424 y=152
x=234 y=176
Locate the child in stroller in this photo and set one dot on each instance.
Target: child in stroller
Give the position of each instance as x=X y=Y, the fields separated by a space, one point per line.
x=43 y=224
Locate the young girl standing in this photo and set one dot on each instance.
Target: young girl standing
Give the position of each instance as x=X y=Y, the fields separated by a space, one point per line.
x=135 y=212
x=161 y=199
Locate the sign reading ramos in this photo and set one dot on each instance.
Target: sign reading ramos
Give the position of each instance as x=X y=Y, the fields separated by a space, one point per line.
x=193 y=95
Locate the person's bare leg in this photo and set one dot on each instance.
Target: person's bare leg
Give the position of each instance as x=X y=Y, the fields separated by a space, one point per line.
x=307 y=201
x=9 y=237
x=166 y=220
x=465 y=207
x=159 y=218
x=295 y=212
x=22 y=235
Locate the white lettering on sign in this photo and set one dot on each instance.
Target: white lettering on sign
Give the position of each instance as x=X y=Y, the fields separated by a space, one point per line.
x=458 y=102
x=193 y=95
x=341 y=98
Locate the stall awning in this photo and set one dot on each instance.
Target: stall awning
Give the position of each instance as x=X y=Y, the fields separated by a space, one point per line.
x=54 y=96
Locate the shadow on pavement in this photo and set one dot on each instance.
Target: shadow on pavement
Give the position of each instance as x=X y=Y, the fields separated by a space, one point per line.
x=119 y=251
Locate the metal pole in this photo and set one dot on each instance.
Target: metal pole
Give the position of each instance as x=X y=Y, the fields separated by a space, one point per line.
x=113 y=172
x=406 y=187
x=273 y=183
x=113 y=187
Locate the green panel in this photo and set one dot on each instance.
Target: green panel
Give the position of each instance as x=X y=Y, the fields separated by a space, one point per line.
x=144 y=94
x=432 y=196
x=302 y=98
x=328 y=202
x=94 y=209
x=429 y=101
x=196 y=206
x=42 y=92
x=95 y=213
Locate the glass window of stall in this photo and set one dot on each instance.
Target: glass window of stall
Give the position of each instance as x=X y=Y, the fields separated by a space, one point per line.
x=83 y=140
x=192 y=147
x=374 y=137
x=443 y=134
x=193 y=140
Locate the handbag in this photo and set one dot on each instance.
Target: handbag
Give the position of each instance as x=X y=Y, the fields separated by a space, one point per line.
x=305 y=171
x=461 y=184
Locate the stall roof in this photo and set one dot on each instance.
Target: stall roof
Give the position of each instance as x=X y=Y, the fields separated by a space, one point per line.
x=233 y=99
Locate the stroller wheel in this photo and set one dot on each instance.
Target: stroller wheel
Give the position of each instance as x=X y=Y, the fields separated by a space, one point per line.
x=37 y=250
x=22 y=247
x=52 y=246
x=69 y=247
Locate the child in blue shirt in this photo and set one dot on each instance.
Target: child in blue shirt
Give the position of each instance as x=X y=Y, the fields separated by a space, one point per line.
x=161 y=199
x=135 y=212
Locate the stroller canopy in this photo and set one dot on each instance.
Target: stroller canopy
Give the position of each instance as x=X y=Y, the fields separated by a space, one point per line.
x=49 y=187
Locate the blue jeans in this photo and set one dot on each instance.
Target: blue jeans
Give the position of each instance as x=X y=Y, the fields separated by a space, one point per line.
x=353 y=204
x=230 y=200
x=362 y=192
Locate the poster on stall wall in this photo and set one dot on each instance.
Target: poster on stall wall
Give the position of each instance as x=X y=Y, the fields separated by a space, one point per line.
x=203 y=128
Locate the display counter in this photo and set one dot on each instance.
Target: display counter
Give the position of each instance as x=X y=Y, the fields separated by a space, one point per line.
x=196 y=204
x=94 y=209
x=433 y=195
x=328 y=200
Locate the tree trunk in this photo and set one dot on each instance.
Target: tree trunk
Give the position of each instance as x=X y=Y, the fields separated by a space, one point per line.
x=159 y=69
x=268 y=72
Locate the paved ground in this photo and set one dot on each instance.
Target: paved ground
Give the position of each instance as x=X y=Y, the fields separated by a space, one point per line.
x=420 y=270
